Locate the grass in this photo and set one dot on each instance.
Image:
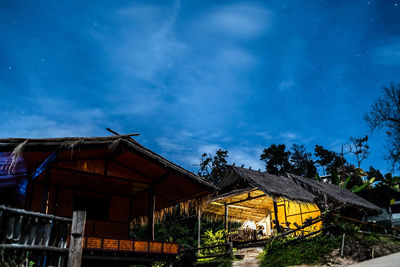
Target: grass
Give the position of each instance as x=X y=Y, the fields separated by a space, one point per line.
x=310 y=251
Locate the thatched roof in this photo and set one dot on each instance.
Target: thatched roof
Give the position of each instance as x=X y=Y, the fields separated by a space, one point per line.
x=8 y=144
x=272 y=185
x=333 y=192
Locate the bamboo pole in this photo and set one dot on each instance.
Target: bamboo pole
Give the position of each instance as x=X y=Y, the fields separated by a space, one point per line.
x=152 y=202
x=198 y=227
x=226 y=223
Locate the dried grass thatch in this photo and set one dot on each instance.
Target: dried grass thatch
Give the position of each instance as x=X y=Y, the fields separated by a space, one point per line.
x=272 y=185
x=333 y=192
x=183 y=208
x=15 y=156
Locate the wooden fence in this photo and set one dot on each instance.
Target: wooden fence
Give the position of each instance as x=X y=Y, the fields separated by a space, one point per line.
x=41 y=234
x=33 y=230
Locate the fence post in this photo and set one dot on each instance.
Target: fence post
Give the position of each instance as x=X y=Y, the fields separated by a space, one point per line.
x=230 y=250
x=76 y=240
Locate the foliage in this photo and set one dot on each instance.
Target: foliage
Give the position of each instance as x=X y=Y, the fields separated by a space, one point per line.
x=276 y=159
x=385 y=115
x=330 y=161
x=372 y=172
x=335 y=179
x=178 y=228
x=363 y=186
x=347 y=227
x=297 y=161
x=308 y=251
x=352 y=176
x=13 y=259
x=222 y=262
x=210 y=238
x=213 y=168
x=359 y=148
x=302 y=163
x=383 y=180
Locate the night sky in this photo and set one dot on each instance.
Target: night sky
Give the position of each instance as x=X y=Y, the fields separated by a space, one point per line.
x=195 y=76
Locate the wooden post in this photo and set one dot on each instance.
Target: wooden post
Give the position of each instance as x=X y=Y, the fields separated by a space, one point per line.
x=150 y=224
x=229 y=251
x=76 y=240
x=342 y=250
x=276 y=216
x=226 y=223
x=198 y=226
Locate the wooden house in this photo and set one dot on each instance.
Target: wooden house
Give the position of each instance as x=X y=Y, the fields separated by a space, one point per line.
x=115 y=179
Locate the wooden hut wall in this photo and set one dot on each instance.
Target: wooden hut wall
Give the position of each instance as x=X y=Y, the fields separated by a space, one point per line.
x=292 y=212
x=295 y=212
x=117 y=223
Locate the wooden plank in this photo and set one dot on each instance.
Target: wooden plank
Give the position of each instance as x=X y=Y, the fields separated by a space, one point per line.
x=76 y=240
x=34 y=214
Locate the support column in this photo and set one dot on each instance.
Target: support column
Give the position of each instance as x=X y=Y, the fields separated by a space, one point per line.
x=226 y=223
x=76 y=240
x=276 y=216
x=152 y=206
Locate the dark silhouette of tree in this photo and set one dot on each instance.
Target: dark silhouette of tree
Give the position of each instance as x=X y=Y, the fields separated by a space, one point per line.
x=372 y=172
x=385 y=115
x=359 y=148
x=213 y=168
x=330 y=161
x=276 y=159
x=301 y=161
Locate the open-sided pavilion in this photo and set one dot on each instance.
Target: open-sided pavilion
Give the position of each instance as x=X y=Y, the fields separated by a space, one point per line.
x=276 y=203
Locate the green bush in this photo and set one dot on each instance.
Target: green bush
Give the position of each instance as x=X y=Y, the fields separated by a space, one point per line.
x=306 y=251
x=209 y=239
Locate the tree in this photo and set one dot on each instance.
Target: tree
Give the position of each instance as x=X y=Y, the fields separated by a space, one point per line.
x=372 y=172
x=385 y=115
x=213 y=168
x=276 y=159
x=301 y=161
x=359 y=148
x=330 y=161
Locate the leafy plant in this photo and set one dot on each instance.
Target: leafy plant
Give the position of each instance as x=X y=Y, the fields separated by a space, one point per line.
x=310 y=251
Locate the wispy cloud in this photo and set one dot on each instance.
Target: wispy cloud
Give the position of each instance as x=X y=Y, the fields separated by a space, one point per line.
x=388 y=54
x=239 y=20
x=286 y=84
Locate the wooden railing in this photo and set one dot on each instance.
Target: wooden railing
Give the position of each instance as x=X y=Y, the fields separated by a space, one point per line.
x=21 y=229
x=130 y=245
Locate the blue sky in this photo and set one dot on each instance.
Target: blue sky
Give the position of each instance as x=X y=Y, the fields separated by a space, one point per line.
x=195 y=76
